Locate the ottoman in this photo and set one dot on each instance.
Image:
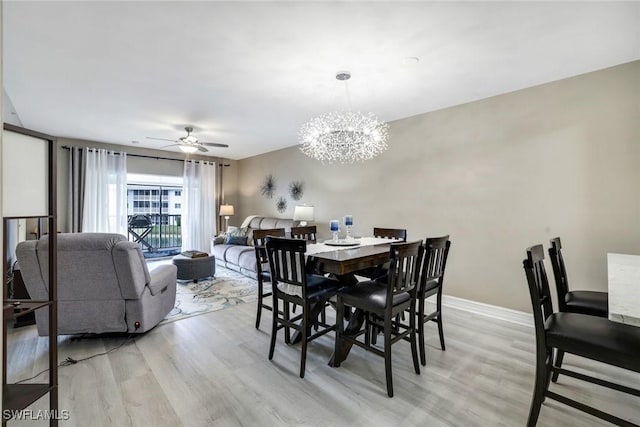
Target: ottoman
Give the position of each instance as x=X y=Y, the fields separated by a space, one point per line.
x=194 y=268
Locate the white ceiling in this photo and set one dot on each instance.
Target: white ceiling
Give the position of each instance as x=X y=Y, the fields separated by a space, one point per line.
x=249 y=74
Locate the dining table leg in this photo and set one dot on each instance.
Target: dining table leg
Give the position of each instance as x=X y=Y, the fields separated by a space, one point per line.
x=355 y=318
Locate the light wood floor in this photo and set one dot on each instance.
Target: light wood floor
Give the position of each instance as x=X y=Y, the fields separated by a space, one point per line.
x=212 y=370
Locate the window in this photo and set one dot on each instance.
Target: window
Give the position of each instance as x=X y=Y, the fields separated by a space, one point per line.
x=177 y=205
x=178 y=193
x=165 y=205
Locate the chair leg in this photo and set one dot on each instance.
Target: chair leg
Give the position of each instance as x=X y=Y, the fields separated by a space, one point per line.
x=412 y=338
x=558 y=363
x=387 y=356
x=440 y=331
x=259 y=313
x=367 y=327
x=305 y=325
x=274 y=327
x=287 y=331
x=323 y=314
x=337 y=351
x=542 y=376
x=423 y=351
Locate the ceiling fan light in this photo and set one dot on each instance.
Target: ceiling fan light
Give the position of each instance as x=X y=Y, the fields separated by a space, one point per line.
x=188 y=148
x=190 y=139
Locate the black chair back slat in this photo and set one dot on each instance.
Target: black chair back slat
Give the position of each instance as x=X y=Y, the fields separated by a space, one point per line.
x=404 y=263
x=559 y=272
x=262 y=271
x=538 y=286
x=286 y=258
x=304 y=232
x=435 y=259
x=390 y=233
x=258 y=241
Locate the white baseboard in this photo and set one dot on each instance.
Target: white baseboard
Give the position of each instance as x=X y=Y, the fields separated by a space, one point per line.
x=493 y=311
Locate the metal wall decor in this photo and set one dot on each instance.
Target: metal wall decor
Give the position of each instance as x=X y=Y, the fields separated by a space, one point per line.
x=296 y=189
x=281 y=204
x=268 y=187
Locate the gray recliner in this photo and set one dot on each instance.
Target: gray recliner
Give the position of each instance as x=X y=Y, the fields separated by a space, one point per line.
x=103 y=284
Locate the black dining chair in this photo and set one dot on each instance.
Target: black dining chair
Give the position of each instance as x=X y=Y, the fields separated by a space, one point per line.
x=263 y=273
x=399 y=234
x=382 y=301
x=431 y=282
x=580 y=334
x=585 y=302
x=291 y=284
x=307 y=233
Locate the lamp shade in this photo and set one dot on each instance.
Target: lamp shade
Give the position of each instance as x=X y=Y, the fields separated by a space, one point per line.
x=303 y=213
x=226 y=210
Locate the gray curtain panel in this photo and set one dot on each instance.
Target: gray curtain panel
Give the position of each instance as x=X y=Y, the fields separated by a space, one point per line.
x=77 y=169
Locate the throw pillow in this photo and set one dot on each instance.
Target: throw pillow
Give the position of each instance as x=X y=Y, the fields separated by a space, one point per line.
x=233 y=231
x=219 y=240
x=236 y=240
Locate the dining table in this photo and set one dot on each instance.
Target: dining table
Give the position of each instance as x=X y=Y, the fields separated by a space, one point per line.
x=342 y=260
x=624 y=288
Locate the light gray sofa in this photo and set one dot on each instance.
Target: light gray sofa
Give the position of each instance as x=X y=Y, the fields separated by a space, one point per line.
x=103 y=284
x=242 y=258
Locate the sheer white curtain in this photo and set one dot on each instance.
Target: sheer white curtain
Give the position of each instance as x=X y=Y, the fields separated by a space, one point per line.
x=105 y=192
x=198 y=205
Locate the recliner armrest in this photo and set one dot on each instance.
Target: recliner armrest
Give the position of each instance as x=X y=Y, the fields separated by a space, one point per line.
x=161 y=277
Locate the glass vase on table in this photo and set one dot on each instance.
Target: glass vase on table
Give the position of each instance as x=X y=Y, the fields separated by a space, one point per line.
x=348 y=223
x=334 y=226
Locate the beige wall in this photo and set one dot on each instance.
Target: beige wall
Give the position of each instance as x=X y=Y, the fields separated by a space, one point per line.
x=498 y=175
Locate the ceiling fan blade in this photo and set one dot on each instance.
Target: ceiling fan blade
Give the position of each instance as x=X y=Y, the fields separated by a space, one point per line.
x=162 y=139
x=214 y=144
x=172 y=145
x=201 y=148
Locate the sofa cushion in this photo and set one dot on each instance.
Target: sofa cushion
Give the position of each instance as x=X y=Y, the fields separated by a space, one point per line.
x=233 y=252
x=247 y=260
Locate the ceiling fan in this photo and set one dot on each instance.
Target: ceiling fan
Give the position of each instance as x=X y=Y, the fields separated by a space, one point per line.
x=189 y=143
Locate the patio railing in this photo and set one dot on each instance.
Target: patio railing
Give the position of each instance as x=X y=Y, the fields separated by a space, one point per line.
x=164 y=232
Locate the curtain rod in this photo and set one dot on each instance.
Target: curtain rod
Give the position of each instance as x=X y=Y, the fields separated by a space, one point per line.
x=66 y=147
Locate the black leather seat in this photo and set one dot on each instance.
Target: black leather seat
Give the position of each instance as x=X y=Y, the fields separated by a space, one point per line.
x=593 y=337
x=371 y=296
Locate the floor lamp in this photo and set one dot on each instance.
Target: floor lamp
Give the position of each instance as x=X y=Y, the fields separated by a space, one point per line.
x=226 y=211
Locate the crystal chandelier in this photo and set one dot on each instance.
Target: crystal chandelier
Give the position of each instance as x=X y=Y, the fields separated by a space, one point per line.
x=345 y=136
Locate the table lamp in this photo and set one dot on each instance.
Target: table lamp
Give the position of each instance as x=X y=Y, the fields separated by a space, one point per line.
x=303 y=213
x=226 y=211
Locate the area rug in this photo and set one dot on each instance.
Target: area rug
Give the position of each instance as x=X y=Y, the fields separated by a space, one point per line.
x=227 y=289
